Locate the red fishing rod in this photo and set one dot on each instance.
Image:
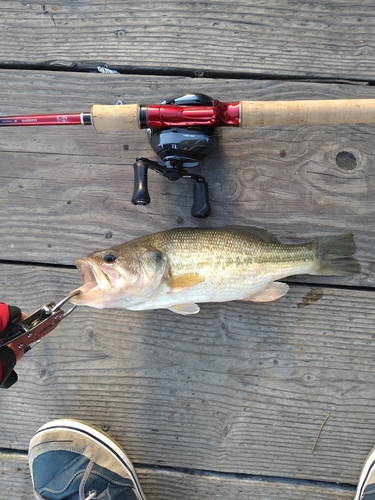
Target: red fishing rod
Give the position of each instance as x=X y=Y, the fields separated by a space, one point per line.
x=183 y=131
x=134 y=116
x=217 y=114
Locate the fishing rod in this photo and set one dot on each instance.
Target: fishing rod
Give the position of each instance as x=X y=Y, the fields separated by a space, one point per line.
x=192 y=113
x=183 y=131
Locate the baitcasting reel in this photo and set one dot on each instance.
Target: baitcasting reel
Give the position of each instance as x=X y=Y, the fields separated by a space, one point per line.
x=178 y=149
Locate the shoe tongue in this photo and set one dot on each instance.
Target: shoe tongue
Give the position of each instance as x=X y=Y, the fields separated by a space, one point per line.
x=58 y=474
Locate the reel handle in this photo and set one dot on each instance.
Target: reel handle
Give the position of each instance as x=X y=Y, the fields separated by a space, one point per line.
x=201 y=206
x=140 y=192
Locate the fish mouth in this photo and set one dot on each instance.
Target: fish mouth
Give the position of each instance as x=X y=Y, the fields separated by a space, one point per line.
x=97 y=285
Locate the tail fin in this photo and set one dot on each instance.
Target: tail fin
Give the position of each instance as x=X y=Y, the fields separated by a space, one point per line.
x=335 y=256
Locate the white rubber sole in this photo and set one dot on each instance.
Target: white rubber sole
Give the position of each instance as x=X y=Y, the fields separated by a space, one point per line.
x=363 y=478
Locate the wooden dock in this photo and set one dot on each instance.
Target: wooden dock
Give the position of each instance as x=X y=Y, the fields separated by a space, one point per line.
x=230 y=403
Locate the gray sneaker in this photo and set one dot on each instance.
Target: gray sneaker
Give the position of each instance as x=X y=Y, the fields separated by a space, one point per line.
x=366 y=483
x=71 y=460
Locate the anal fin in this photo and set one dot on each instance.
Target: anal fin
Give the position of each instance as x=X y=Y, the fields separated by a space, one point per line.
x=270 y=292
x=185 y=308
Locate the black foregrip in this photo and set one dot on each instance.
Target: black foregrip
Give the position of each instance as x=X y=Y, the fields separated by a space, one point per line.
x=140 y=193
x=201 y=206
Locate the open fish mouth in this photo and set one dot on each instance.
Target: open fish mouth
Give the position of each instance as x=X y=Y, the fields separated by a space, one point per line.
x=95 y=282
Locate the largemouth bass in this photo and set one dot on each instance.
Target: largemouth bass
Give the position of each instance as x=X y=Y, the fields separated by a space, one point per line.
x=179 y=268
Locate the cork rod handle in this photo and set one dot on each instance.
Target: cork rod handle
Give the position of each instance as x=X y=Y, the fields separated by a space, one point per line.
x=106 y=118
x=271 y=113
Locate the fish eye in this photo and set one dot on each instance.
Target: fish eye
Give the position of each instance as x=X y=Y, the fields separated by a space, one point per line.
x=158 y=256
x=109 y=257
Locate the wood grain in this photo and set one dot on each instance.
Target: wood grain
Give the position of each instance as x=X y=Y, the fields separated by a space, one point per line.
x=285 y=39
x=229 y=403
x=239 y=388
x=159 y=484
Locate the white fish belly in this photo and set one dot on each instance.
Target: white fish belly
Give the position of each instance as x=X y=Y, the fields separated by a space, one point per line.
x=220 y=288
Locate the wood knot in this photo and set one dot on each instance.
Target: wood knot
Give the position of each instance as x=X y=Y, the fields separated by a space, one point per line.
x=346 y=161
x=229 y=188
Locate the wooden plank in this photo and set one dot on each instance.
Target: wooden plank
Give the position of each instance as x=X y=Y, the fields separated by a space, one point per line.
x=239 y=388
x=15 y=476
x=305 y=39
x=160 y=484
x=66 y=191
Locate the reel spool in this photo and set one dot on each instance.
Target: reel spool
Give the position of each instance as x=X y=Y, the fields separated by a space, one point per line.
x=179 y=149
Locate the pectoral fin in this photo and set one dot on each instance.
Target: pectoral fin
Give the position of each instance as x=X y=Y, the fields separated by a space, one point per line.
x=185 y=309
x=182 y=281
x=270 y=292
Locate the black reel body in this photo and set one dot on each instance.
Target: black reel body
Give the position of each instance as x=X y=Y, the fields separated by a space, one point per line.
x=179 y=148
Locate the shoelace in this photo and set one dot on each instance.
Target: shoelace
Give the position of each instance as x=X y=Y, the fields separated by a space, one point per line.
x=92 y=495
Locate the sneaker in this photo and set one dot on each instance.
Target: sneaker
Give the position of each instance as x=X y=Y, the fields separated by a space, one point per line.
x=71 y=460
x=366 y=483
